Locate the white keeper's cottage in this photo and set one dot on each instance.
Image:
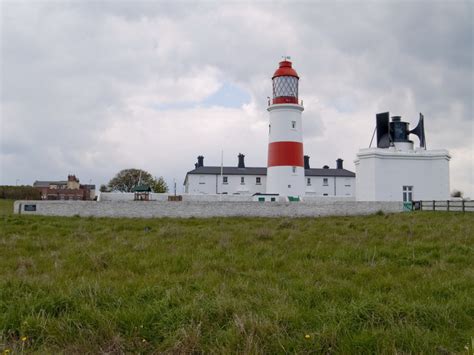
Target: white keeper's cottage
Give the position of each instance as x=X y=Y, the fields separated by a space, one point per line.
x=242 y=180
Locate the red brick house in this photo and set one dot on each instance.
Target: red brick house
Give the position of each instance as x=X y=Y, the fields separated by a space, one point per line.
x=70 y=189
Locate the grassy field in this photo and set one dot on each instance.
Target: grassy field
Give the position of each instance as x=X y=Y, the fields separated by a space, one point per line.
x=401 y=283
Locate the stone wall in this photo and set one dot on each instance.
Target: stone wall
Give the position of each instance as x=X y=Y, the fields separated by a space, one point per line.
x=186 y=209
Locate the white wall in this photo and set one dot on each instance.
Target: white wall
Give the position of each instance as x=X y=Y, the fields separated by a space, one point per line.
x=345 y=186
x=206 y=184
x=382 y=173
x=211 y=184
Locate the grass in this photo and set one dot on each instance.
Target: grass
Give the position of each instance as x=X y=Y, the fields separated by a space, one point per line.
x=401 y=283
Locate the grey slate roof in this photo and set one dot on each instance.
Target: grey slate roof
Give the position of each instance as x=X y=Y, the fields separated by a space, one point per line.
x=47 y=183
x=231 y=170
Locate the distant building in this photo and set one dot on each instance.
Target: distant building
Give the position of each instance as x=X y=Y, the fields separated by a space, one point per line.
x=242 y=180
x=70 y=189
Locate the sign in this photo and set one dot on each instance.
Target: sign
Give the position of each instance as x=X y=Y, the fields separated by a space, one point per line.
x=30 y=208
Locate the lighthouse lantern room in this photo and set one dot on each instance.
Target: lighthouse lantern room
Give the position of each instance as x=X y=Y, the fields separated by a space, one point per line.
x=285 y=173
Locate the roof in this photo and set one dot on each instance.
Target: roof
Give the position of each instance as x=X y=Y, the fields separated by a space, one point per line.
x=231 y=170
x=285 y=69
x=141 y=188
x=47 y=183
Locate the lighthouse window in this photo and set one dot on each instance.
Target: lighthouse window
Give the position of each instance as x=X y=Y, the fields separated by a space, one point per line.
x=293 y=124
x=258 y=180
x=308 y=181
x=242 y=180
x=293 y=169
x=224 y=180
x=285 y=86
x=325 y=181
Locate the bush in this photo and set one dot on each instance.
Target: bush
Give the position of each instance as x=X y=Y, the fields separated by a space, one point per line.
x=19 y=193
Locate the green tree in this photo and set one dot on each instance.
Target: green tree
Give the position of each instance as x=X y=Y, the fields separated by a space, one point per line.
x=159 y=185
x=125 y=180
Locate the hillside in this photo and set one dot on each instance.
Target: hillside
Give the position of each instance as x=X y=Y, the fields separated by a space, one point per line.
x=376 y=284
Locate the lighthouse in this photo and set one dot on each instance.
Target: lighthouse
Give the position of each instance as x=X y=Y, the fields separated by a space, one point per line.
x=285 y=167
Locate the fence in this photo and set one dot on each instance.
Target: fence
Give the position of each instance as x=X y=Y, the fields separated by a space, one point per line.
x=448 y=205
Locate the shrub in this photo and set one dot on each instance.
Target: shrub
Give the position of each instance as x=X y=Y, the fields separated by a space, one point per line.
x=19 y=193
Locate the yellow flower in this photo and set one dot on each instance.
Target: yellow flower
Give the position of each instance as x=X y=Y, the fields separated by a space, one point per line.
x=143 y=340
x=307 y=336
x=6 y=351
x=23 y=338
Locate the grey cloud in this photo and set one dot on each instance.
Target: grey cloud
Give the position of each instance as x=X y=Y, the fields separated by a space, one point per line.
x=70 y=71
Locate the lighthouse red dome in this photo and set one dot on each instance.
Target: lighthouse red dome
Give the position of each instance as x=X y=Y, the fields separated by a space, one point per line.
x=285 y=84
x=285 y=69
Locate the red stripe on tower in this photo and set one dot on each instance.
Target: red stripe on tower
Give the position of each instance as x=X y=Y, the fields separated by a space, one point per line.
x=285 y=154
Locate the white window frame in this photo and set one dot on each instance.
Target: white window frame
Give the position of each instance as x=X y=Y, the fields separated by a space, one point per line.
x=258 y=180
x=225 y=180
x=308 y=181
x=242 y=180
x=325 y=182
x=407 y=193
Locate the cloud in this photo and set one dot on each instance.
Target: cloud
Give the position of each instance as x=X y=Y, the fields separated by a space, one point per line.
x=95 y=87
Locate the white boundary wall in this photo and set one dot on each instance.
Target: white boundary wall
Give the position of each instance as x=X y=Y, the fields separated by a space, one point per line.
x=186 y=209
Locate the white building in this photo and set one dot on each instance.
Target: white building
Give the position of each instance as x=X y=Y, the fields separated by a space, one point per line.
x=396 y=171
x=241 y=180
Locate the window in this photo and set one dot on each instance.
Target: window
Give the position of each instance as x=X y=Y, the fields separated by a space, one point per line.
x=325 y=181
x=293 y=169
x=347 y=183
x=293 y=124
x=285 y=86
x=258 y=180
x=269 y=128
x=289 y=186
x=407 y=193
x=308 y=181
x=242 y=180
x=325 y=194
x=201 y=180
x=224 y=180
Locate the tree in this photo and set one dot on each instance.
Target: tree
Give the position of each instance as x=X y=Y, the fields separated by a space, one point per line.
x=104 y=188
x=125 y=180
x=159 y=185
x=456 y=193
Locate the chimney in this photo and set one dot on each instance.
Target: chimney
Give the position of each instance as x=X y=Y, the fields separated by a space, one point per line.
x=306 y=162
x=200 y=161
x=241 y=161
x=339 y=163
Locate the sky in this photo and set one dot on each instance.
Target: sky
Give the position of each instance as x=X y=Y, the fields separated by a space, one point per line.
x=93 y=87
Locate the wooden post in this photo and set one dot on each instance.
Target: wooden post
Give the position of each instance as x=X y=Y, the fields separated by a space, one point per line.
x=448 y=205
x=463 y=207
x=434 y=205
x=421 y=205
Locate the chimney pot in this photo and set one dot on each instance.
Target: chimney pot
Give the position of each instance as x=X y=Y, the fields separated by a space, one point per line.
x=241 y=161
x=200 y=161
x=306 y=162
x=339 y=163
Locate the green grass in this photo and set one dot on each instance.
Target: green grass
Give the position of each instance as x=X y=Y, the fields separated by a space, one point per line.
x=401 y=283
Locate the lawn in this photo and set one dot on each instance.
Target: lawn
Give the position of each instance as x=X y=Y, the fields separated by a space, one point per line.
x=401 y=283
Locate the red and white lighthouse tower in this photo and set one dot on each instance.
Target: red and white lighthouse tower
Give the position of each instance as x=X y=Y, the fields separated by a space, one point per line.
x=285 y=173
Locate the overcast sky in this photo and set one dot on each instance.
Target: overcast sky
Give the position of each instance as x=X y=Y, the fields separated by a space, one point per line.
x=93 y=87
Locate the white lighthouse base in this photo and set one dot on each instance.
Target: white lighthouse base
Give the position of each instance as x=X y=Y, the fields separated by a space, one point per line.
x=394 y=175
x=283 y=181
